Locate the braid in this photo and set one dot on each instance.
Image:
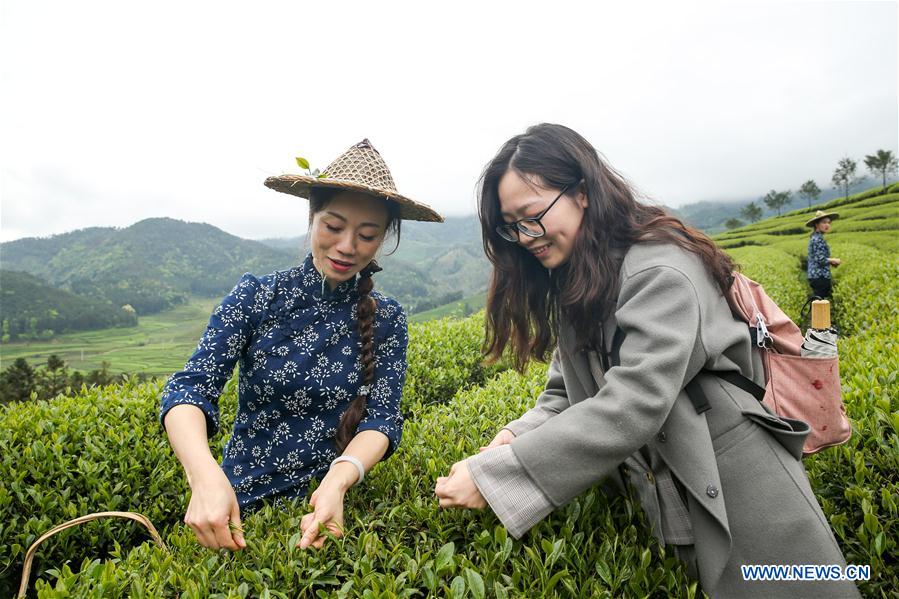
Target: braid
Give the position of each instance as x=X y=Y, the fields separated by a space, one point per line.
x=365 y=317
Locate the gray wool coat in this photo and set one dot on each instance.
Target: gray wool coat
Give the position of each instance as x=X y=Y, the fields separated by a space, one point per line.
x=727 y=485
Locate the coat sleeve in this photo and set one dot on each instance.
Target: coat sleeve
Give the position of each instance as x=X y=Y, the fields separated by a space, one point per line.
x=551 y=401
x=658 y=311
x=230 y=328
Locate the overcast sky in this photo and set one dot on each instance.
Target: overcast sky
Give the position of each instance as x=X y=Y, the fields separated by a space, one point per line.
x=117 y=111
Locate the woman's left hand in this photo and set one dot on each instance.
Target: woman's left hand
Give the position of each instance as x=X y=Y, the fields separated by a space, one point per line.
x=458 y=489
x=328 y=504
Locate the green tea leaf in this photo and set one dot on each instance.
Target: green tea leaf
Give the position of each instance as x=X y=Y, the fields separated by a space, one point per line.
x=444 y=559
x=475 y=583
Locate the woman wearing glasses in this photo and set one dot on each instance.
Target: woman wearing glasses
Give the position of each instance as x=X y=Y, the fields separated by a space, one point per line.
x=629 y=302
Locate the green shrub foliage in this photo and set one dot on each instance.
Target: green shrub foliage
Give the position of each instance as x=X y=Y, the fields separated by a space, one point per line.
x=400 y=543
x=444 y=358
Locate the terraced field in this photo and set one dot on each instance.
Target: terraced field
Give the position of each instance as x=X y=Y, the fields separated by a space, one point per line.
x=158 y=346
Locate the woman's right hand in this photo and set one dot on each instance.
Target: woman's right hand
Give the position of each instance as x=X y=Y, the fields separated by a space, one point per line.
x=503 y=437
x=834 y=261
x=213 y=512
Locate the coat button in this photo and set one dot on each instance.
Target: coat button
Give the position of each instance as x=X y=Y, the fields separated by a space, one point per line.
x=650 y=478
x=662 y=437
x=625 y=470
x=711 y=491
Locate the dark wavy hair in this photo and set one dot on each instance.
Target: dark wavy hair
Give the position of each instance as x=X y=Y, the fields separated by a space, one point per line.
x=525 y=301
x=365 y=315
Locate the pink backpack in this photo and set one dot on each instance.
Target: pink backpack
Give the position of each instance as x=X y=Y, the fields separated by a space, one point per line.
x=798 y=387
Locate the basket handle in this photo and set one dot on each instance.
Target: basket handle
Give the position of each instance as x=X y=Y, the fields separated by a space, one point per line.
x=29 y=556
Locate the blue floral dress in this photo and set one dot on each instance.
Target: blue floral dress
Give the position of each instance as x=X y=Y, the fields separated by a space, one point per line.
x=818 y=254
x=300 y=367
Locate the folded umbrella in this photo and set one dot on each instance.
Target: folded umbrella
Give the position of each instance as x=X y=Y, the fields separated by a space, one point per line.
x=821 y=339
x=819 y=344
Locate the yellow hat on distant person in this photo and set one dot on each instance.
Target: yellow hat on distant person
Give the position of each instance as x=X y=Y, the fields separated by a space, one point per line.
x=821 y=214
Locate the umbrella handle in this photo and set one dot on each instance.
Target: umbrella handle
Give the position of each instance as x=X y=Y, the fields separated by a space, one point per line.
x=29 y=556
x=821 y=314
x=804 y=316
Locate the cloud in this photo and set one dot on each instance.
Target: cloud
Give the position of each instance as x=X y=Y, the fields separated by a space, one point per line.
x=115 y=112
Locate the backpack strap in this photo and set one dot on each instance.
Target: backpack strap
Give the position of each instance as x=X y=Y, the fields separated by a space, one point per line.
x=746 y=384
x=617 y=340
x=694 y=391
x=697 y=396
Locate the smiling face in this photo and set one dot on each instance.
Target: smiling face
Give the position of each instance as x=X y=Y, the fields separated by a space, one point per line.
x=345 y=235
x=526 y=197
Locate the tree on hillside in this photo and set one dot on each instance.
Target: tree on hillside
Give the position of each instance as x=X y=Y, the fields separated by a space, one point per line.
x=751 y=212
x=844 y=176
x=55 y=376
x=775 y=200
x=733 y=223
x=17 y=382
x=810 y=192
x=881 y=163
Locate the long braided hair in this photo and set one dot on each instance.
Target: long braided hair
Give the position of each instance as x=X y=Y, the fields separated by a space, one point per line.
x=365 y=318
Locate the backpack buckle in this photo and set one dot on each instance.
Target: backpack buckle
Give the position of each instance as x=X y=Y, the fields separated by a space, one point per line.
x=761 y=336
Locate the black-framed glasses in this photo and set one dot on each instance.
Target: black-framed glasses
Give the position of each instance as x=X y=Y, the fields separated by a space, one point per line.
x=532 y=227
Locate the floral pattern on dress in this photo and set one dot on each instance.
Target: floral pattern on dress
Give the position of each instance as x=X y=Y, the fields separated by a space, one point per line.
x=818 y=254
x=298 y=352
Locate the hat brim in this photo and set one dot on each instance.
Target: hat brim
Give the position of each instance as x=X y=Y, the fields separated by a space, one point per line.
x=830 y=215
x=300 y=185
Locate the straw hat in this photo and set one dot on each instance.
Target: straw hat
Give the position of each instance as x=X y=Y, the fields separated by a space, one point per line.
x=361 y=169
x=819 y=215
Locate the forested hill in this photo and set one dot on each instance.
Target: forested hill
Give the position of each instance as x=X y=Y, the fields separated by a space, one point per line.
x=32 y=309
x=151 y=265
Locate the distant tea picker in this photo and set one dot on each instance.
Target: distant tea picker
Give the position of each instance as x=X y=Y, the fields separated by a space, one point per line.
x=322 y=364
x=819 y=260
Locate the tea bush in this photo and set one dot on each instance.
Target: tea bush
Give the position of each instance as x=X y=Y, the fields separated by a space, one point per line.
x=444 y=357
x=103 y=450
x=400 y=543
x=98 y=451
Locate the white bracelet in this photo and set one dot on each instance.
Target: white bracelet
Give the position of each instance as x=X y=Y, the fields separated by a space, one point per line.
x=353 y=461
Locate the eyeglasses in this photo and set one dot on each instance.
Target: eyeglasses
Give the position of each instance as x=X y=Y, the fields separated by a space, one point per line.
x=532 y=227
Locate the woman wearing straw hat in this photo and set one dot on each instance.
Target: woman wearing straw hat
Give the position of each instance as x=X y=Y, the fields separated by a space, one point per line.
x=629 y=303
x=322 y=363
x=819 y=260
